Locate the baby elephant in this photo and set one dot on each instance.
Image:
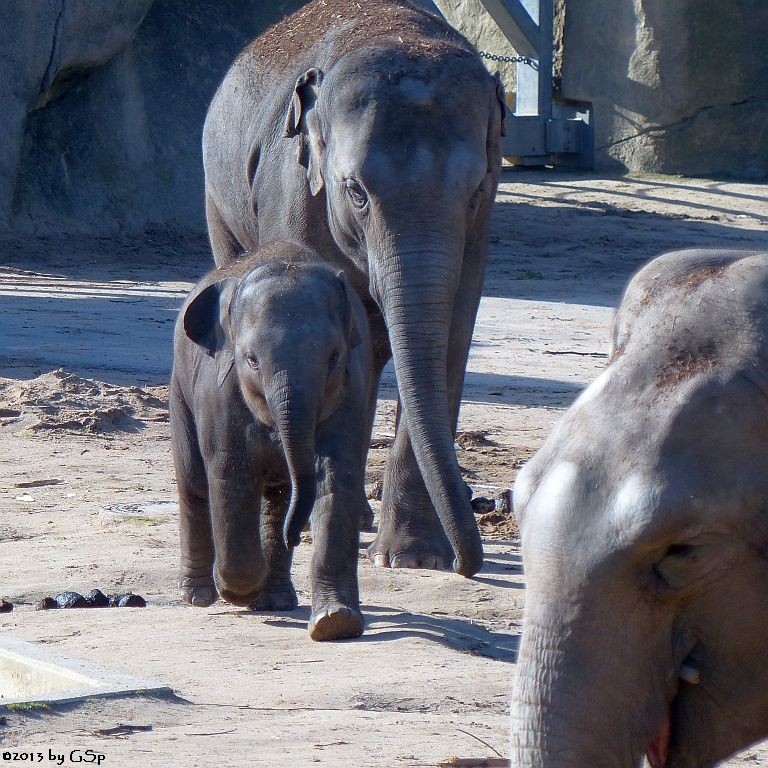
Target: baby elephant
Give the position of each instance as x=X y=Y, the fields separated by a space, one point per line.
x=270 y=423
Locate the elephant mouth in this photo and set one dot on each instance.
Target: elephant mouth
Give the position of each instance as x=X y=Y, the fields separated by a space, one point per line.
x=657 y=751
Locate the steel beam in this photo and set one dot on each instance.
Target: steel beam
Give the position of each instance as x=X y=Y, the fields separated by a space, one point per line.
x=519 y=26
x=540 y=131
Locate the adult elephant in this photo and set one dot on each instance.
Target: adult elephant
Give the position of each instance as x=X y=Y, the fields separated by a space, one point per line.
x=370 y=132
x=644 y=521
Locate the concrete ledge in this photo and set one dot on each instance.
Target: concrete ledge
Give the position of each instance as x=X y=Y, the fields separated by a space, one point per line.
x=29 y=673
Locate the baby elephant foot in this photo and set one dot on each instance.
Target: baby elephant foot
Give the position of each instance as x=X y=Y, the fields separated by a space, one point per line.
x=199 y=592
x=282 y=599
x=336 y=622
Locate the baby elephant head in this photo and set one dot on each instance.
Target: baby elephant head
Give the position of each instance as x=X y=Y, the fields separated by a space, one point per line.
x=288 y=329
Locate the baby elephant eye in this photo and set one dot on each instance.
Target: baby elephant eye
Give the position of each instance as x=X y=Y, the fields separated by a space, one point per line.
x=252 y=361
x=356 y=193
x=333 y=361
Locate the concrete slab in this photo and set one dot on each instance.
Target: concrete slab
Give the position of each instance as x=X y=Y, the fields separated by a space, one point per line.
x=29 y=673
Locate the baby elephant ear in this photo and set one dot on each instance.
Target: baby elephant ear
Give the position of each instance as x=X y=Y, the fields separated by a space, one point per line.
x=353 y=334
x=206 y=318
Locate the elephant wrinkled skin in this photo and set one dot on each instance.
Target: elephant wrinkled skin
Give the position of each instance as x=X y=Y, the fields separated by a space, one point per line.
x=270 y=424
x=371 y=133
x=644 y=522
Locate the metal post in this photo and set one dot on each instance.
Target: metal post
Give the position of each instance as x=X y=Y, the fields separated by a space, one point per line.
x=539 y=132
x=534 y=80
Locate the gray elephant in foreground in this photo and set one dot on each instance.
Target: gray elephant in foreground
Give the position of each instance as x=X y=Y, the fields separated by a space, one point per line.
x=644 y=522
x=270 y=423
x=370 y=131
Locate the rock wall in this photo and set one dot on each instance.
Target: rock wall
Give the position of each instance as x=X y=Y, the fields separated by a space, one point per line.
x=677 y=87
x=104 y=103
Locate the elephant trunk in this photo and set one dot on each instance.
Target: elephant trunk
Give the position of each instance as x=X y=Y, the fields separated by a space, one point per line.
x=295 y=415
x=584 y=696
x=416 y=291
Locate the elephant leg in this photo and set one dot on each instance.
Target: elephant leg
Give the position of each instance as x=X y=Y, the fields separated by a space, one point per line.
x=410 y=534
x=235 y=500
x=366 y=513
x=336 y=527
x=333 y=570
x=278 y=593
x=224 y=244
x=197 y=554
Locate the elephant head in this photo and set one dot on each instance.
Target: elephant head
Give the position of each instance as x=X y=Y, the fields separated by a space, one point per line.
x=407 y=152
x=288 y=329
x=645 y=536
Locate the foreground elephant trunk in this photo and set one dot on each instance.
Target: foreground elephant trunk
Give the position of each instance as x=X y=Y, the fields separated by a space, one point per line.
x=577 y=701
x=418 y=289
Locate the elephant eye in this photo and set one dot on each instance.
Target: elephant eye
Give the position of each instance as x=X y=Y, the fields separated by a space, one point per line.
x=356 y=193
x=683 y=564
x=333 y=361
x=252 y=361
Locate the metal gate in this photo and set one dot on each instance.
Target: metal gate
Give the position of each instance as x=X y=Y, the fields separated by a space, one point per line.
x=542 y=130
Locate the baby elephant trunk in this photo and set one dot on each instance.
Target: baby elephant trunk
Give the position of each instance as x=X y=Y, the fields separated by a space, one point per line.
x=296 y=415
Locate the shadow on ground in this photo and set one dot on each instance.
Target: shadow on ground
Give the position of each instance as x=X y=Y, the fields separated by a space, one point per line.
x=387 y=624
x=596 y=245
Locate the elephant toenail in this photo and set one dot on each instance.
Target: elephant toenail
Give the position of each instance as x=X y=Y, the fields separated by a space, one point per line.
x=381 y=561
x=404 y=561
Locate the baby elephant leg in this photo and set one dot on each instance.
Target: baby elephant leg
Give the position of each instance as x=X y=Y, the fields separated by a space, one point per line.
x=196 y=573
x=278 y=593
x=196 y=566
x=240 y=569
x=333 y=571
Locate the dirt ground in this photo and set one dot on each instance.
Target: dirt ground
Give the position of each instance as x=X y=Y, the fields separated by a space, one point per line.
x=87 y=492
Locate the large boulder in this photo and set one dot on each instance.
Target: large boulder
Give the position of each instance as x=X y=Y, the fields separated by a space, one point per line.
x=104 y=104
x=677 y=87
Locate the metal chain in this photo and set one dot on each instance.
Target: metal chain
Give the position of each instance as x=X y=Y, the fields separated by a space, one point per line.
x=507 y=59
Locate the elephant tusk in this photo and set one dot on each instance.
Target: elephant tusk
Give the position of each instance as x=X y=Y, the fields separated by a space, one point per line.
x=690 y=674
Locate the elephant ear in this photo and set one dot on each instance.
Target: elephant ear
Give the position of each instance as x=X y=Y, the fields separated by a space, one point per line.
x=303 y=121
x=207 y=319
x=500 y=97
x=352 y=331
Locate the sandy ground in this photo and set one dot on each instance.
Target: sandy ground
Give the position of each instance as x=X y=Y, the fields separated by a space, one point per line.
x=87 y=492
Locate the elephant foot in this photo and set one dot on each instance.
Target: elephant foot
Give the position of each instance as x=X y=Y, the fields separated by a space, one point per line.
x=336 y=622
x=392 y=549
x=199 y=592
x=282 y=599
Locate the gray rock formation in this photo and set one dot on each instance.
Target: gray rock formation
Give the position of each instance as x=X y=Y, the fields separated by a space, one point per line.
x=104 y=103
x=677 y=87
